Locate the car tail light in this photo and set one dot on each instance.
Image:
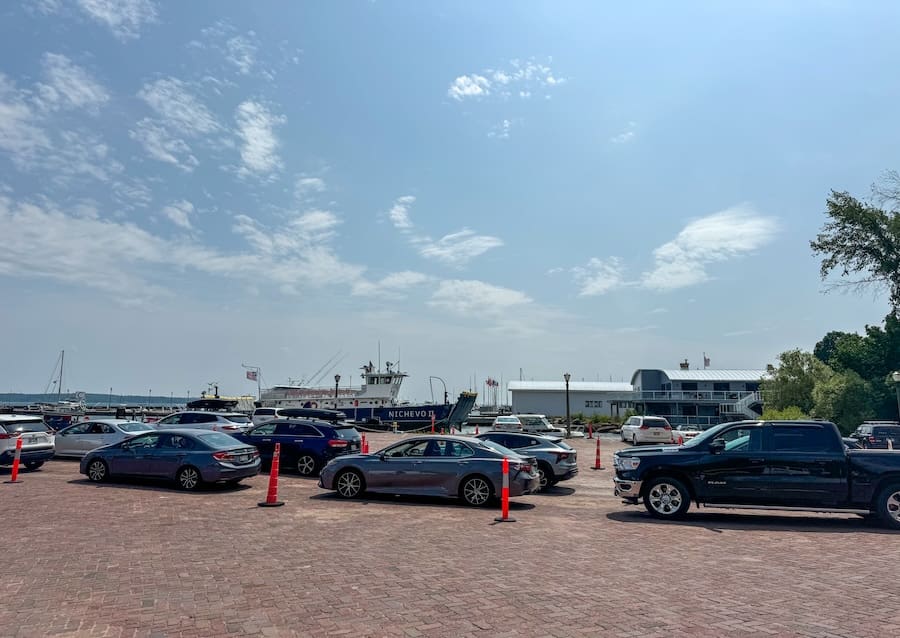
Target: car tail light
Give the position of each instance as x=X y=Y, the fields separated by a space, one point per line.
x=230 y=427
x=645 y=427
x=5 y=435
x=668 y=427
x=230 y=456
x=338 y=443
x=871 y=439
x=561 y=456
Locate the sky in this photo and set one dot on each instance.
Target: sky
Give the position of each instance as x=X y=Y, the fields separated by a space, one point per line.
x=468 y=189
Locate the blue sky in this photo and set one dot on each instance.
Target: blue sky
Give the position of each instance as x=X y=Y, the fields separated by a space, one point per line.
x=483 y=189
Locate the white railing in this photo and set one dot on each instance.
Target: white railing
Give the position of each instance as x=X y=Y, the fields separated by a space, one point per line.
x=742 y=406
x=713 y=396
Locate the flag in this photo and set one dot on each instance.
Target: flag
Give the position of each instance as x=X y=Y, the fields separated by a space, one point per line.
x=705 y=361
x=251 y=375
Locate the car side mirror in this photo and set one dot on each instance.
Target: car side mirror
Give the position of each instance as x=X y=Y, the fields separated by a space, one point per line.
x=381 y=456
x=717 y=446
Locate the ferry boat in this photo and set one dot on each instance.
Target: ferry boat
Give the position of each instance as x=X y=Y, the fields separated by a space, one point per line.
x=374 y=403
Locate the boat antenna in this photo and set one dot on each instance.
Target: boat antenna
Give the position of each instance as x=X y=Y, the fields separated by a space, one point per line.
x=330 y=368
x=62 y=360
x=316 y=374
x=379 y=355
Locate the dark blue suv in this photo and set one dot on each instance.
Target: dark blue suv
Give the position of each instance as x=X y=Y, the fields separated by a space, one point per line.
x=306 y=444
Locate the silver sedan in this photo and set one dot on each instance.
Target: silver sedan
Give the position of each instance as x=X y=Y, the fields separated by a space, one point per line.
x=450 y=466
x=79 y=439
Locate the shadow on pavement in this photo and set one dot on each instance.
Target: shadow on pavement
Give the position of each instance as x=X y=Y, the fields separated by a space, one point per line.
x=721 y=521
x=153 y=485
x=555 y=490
x=423 y=501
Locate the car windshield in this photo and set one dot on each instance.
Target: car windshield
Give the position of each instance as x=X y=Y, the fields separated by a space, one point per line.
x=707 y=435
x=348 y=433
x=496 y=447
x=656 y=423
x=218 y=440
x=135 y=426
x=536 y=421
x=26 y=426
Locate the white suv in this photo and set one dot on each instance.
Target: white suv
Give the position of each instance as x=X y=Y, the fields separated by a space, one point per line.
x=261 y=415
x=227 y=422
x=646 y=429
x=506 y=424
x=37 y=439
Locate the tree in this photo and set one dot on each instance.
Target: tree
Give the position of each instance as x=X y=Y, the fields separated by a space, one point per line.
x=792 y=382
x=844 y=398
x=790 y=413
x=862 y=241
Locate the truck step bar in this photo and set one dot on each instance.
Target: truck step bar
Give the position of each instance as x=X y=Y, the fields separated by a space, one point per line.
x=785 y=508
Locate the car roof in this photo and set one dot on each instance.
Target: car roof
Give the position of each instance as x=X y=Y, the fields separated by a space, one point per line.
x=13 y=418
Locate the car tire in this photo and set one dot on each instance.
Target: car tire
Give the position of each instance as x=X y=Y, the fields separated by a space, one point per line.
x=476 y=491
x=634 y=439
x=307 y=465
x=349 y=484
x=98 y=471
x=888 y=505
x=188 y=478
x=666 y=498
x=547 y=478
x=33 y=465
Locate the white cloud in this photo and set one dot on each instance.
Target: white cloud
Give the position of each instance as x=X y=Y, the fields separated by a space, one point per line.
x=625 y=136
x=501 y=130
x=68 y=86
x=470 y=296
x=520 y=77
x=123 y=17
x=179 y=213
x=304 y=187
x=459 y=248
x=399 y=213
x=256 y=127
x=391 y=286
x=20 y=134
x=469 y=86
x=162 y=145
x=241 y=52
x=180 y=110
x=729 y=234
x=599 y=277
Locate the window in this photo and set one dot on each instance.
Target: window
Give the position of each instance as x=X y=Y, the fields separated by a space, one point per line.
x=266 y=429
x=176 y=442
x=801 y=439
x=173 y=419
x=408 y=448
x=142 y=442
x=593 y=404
x=296 y=429
x=742 y=439
x=205 y=418
x=721 y=387
x=264 y=412
x=81 y=428
x=689 y=387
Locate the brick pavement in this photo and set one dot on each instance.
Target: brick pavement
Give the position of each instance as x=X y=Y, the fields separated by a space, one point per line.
x=141 y=559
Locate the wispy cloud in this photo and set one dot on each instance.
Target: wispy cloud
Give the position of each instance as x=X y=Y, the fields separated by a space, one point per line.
x=173 y=101
x=20 y=132
x=179 y=213
x=256 y=127
x=625 y=136
x=161 y=145
x=393 y=286
x=124 y=18
x=241 y=52
x=306 y=187
x=729 y=234
x=599 y=276
x=68 y=86
x=470 y=296
x=501 y=131
x=455 y=249
x=517 y=78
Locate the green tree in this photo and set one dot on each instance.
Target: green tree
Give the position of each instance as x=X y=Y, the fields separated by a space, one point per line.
x=862 y=240
x=844 y=398
x=793 y=381
x=790 y=413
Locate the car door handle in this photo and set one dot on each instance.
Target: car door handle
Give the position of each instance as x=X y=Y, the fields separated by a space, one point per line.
x=267 y=440
x=418 y=462
x=757 y=460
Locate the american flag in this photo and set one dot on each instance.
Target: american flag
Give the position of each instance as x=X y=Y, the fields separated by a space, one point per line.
x=251 y=374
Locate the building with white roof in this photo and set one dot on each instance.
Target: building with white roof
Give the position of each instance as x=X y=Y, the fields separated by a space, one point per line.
x=588 y=397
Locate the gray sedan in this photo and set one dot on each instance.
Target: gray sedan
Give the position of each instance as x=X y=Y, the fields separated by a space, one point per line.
x=451 y=466
x=556 y=460
x=80 y=438
x=188 y=457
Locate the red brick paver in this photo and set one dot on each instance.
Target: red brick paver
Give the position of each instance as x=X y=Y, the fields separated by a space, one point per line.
x=142 y=559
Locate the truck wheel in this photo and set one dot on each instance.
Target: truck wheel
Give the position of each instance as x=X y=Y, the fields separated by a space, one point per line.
x=666 y=498
x=888 y=505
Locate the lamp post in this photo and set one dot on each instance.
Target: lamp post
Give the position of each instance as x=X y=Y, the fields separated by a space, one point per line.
x=568 y=376
x=896 y=377
x=337 y=380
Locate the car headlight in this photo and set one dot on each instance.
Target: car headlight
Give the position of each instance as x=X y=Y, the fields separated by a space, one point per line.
x=626 y=462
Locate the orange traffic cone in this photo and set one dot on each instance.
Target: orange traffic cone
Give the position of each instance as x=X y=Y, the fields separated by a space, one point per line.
x=597 y=464
x=272 y=495
x=590 y=431
x=476 y=429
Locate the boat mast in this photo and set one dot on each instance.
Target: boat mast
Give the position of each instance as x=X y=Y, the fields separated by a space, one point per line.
x=62 y=362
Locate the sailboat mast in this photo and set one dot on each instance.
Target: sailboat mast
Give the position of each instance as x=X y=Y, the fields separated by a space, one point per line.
x=62 y=363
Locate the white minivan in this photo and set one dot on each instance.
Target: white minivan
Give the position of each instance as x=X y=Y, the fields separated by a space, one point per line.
x=261 y=415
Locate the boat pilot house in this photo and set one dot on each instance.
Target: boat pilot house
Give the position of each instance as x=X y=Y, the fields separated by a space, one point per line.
x=701 y=397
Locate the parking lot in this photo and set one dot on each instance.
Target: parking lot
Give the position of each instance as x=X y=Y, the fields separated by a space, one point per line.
x=123 y=559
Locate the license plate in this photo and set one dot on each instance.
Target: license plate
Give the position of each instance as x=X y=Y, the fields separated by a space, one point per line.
x=243 y=458
x=31 y=439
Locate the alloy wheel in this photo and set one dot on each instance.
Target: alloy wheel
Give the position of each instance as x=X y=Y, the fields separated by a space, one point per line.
x=306 y=465
x=476 y=491
x=188 y=478
x=665 y=498
x=97 y=471
x=893 y=505
x=349 y=484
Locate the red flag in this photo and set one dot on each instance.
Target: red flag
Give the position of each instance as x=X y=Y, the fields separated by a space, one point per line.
x=251 y=374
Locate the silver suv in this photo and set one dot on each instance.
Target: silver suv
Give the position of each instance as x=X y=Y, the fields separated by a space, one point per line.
x=37 y=439
x=227 y=422
x=556 y=460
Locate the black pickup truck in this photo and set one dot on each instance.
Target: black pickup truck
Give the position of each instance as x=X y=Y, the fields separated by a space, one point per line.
x=794 y=465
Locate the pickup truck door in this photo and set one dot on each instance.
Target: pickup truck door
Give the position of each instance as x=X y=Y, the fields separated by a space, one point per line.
x=807 y=466
x=736 y=474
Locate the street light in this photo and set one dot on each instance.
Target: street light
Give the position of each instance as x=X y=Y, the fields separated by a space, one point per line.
x=896 y=377
x=337 y=379
x=568 y=376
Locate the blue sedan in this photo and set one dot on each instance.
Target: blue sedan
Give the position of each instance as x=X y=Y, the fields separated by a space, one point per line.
x=188 y=457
